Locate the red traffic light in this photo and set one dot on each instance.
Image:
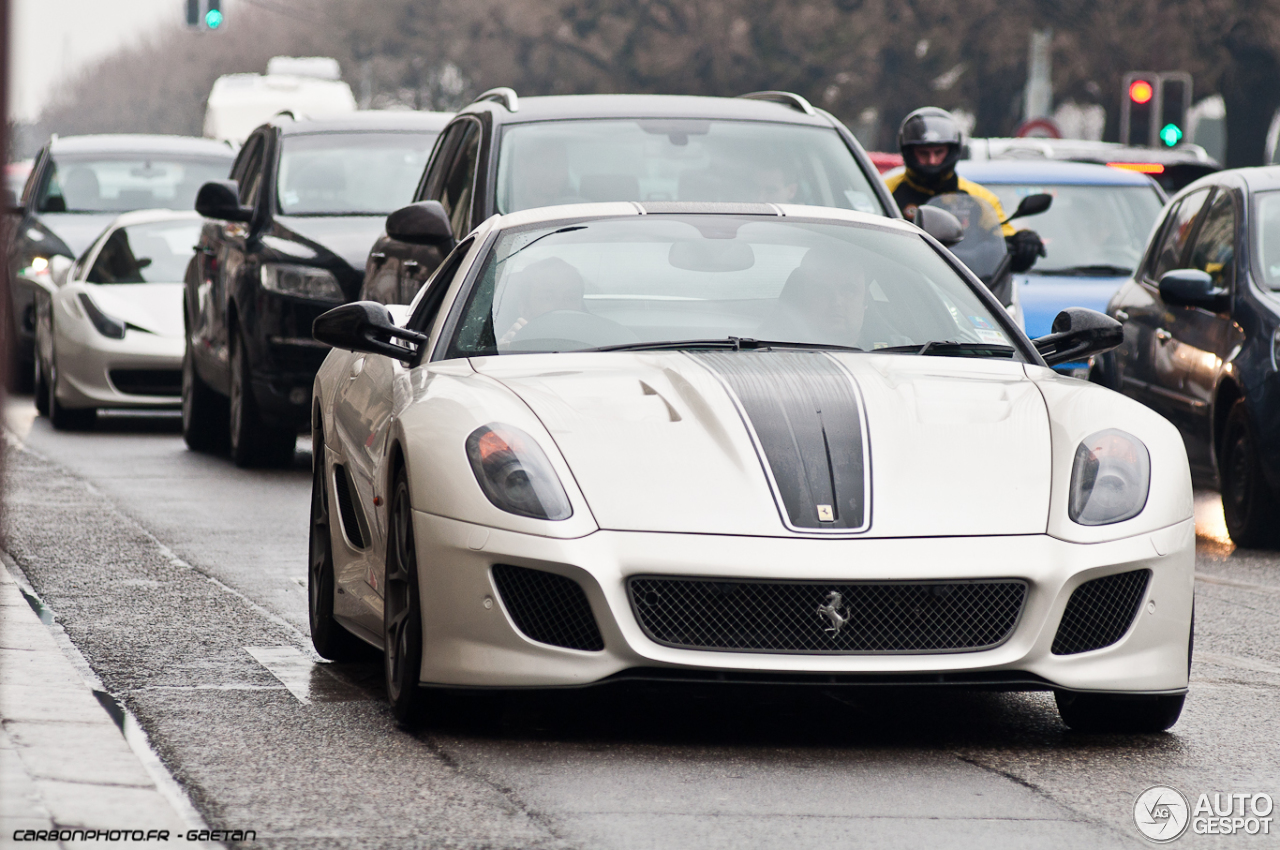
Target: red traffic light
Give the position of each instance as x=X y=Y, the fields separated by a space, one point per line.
x=1140 y=91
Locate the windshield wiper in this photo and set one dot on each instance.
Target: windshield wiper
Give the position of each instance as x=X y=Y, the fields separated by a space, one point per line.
x=950 y=348
x=733 y=343
x=569 y=229
x=1096 y=270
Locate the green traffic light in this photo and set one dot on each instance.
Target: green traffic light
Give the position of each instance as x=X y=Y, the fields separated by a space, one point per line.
x=213 y=19
x=1171 y=134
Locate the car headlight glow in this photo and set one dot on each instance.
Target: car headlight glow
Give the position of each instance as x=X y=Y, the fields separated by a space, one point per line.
x=301 y=282
x=108 y=326
x=1110 y=478
x=515 y=474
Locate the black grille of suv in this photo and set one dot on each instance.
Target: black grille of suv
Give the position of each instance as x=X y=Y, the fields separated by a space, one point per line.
x=161 y=382
x=827 y=617
x=1099 y=612
x=548 y=608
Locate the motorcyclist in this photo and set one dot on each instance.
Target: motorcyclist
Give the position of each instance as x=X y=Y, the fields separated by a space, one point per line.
x=930 y=141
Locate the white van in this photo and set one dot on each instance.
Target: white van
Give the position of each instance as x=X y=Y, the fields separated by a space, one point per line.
x=308 y=87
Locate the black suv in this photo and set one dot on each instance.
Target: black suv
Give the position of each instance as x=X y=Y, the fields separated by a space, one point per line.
x=1202 y=340
x=503 y=153
x=283 y=242
x=76 y=187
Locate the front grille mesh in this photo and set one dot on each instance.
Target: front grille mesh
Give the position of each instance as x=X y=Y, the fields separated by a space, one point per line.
x=157 y=382
x=776 y=616
x=1100 y=611
x=548 y=608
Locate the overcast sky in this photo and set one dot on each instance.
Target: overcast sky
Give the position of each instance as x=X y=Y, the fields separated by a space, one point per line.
x=55 y=38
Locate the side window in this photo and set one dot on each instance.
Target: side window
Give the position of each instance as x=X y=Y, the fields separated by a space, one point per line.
x=1178 y=226
x=432 y=294
x=455 y=195
x=248 y=171
x=433 y=177
x=1214 y=250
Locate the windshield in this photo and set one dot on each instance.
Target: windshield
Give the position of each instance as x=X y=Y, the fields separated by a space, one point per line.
x=1089 y=229
x=600 y=283
x=569 y=162
x=157 y=252
x=1267 y=238
x=350 y=173
x=128 y=182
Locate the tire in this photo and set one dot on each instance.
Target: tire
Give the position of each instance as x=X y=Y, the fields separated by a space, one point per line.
x=253 y=442
x=1119 y=713
x=402 y=611
x=66 y=418
x=328 y=636
x=1248 y=502
x=204 y=412
x=41 y=387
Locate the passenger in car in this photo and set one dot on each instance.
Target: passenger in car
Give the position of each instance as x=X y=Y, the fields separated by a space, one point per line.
x=824 y=301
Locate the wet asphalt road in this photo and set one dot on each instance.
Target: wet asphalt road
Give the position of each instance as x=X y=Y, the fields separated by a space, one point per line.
x=181 y=580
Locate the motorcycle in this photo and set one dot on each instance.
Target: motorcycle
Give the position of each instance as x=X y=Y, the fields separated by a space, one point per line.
x=978 y=242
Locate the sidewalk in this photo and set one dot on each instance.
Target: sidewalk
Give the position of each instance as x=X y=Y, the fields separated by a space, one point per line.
x=63 y=761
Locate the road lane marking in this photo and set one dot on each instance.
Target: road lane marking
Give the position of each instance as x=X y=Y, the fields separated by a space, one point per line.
x=307 y=681
x=1234 y=661
x=1230 y=582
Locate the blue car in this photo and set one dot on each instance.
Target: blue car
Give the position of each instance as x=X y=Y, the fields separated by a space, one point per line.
x=1094 y=234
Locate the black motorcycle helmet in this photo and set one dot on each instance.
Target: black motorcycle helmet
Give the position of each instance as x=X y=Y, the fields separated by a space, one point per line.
x=929 y=125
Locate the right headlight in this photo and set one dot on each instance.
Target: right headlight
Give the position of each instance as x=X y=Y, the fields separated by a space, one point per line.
x=1110 y=478
x=515 y=474
x=301 y=282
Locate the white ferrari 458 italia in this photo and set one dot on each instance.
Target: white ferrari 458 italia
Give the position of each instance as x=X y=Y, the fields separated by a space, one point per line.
x=748 y=443
x=110 y=334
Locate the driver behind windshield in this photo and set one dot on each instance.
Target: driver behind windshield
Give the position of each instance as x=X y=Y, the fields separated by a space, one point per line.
x=929 y=140
x=547 y=286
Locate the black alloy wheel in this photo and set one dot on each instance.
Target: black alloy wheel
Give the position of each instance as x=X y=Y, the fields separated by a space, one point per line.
x=1137 y=714
x=253 y=442
x=41 y=385
x=402 y=610
x=204 y=412
x=1248 y=502
x=65 y=418
x=330 y=639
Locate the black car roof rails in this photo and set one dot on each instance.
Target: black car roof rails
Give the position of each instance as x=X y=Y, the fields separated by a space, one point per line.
x=786 y=98
x=504 y=95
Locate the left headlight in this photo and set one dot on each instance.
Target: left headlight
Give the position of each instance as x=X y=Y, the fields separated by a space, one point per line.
x=301 y=282
x=108 y=326
x=1110 y=478
x=515 y=474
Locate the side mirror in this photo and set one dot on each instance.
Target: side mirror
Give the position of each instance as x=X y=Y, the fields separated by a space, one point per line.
x=365 y=326
x=220 y=199
x=1078 y=333
x=1032 y=205
x=1193 y=288
x=423 y=223
x=59 y=266
x=939 y=224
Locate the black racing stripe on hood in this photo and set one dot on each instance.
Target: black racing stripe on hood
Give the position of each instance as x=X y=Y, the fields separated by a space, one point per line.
x=805 y=413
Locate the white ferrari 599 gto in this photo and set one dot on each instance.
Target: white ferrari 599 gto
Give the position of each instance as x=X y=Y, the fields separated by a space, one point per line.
x=739 y=443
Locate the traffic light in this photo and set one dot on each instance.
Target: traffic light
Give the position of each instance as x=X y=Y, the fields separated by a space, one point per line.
x=1137 y=109
x=205 y=14
x=1153 y=108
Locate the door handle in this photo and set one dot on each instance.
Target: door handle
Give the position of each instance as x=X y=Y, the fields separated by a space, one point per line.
x=1163 y=335
x=410 y=264
x=377 y=256
x=1122 y=316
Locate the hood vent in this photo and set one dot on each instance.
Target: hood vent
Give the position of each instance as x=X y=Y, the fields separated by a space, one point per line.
x=804 y=412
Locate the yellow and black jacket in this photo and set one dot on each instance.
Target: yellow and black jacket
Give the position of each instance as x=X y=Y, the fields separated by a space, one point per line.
x=910 y=194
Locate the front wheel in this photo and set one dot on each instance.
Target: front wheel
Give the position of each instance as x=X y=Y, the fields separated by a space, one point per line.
x=65 y=418
x=204 y=412
x=253 y=442
x=328 y=636
x=1248 y=503
x=402 y=610
x=1119 y=713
